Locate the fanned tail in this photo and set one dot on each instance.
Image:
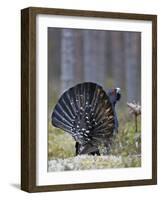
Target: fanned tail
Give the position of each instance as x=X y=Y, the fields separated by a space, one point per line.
x=86 y=113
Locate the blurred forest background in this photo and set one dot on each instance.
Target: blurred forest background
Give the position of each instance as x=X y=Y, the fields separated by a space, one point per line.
x=109 y=58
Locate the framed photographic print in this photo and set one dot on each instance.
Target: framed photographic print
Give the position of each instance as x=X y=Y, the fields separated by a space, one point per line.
x=88 y=99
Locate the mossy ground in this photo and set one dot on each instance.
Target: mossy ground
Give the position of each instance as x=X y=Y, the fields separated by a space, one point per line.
x=85 y=162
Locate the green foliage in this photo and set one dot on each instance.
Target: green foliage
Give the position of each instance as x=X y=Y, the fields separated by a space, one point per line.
x=127 y=142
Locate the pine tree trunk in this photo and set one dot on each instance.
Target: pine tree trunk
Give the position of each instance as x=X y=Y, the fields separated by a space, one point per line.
x=133 y=66
x=94 y=56
x=78 y=71
x=68 y=60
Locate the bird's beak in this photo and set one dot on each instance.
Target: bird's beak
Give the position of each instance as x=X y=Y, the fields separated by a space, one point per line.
x=118 y=94
x=118 y=90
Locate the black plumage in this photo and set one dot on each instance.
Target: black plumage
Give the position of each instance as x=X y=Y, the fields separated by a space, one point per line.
x=87 y=112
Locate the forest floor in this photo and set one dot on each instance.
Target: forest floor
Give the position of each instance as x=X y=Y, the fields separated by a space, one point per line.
x=125 y=150
x=85 y=162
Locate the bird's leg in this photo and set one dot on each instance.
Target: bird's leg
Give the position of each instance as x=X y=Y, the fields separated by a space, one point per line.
x=95 y=153
x=86 y=149
x=77 y=146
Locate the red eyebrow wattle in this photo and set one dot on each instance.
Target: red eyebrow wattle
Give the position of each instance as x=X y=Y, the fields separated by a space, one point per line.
x=113 y=92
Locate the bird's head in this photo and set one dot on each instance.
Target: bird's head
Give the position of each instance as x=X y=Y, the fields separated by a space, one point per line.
x=114 y=95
